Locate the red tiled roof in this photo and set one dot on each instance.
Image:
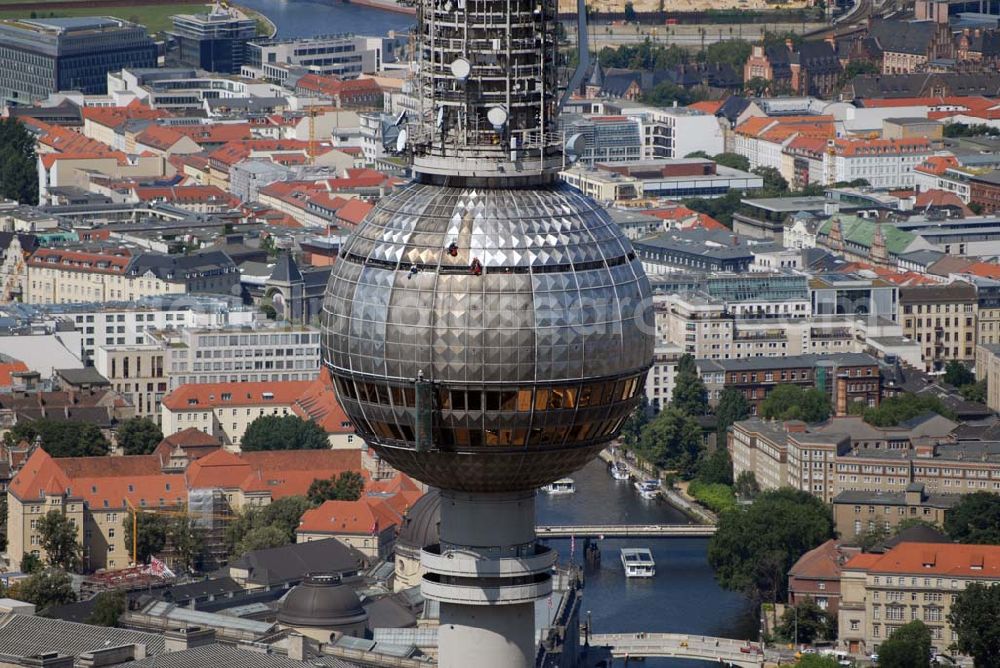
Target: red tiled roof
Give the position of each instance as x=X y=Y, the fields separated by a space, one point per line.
x=217 y=133
x=354 y=211
x=319 y=404
x=159 y=137
x=73 y=260
x=280 y=472
x=939 y=198
x=937 y=164
x=947 y=559
x=183 y=194
x=823 y=562
x=984 y=269
x=49 y=159
x=856 y=147
x=8 y=368
x=199 y=396
x=708 y=106
x=114 y=117
x=364 y=517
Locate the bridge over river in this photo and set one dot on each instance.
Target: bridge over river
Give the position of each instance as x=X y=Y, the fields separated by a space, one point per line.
x=681 y=646
x=627 y=531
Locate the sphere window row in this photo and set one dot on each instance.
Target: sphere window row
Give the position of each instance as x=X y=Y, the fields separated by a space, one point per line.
x=521 y=400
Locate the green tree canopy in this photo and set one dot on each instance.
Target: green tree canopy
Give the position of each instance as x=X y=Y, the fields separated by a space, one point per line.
x=690 y=395
x=347 y=486
x=976 y=130
x=673 y=441
x=746 y=486
x=261 y=538
x=775 y=184
x=975 y=619
x=45 y=589
x=151 y=535
x=31 y=563
x=109 y=606
x=283 y=514
x=791 y=402
x=975 y=519
x=733 y=407
x=756 y=545
x=903 y=407
x=716 y=468
x=957 y=374
x=806 y=622
x=732 y=52
x=733 y=161
x=18 y=166
x=909 y=646
x=975 y=391
x=62 y=439
x=187 y=541
x=58 y=539
x=138 y=436
x=286 y=432
x=817 y=661
x=637 y=419
x=719 y=208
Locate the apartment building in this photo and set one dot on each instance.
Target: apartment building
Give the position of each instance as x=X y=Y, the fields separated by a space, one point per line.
x=662 y=375
x=942 y=319
x=96 y=493
x=136 y=372
x=369 y=525
x=884 y=163
x=856 y=512
x=275 y=353
x=846 y=378
x=882 y=592
x=225 y=410
x=988 y=369
x=816 y=575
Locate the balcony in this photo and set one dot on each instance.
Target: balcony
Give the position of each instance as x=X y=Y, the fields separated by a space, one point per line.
x=465 y=564
x=485 y=591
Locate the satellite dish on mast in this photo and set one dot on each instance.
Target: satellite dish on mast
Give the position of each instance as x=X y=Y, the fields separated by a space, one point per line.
x=440 y=117
x=575 y=147
x=460 y=69
x=401 y=141
x=497 y=116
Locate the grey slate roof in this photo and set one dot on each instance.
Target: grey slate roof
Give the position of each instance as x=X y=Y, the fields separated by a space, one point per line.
x=913 y=37
x=285 y=270
x=861 y=497
x=164 y=266
x=26 y=635
x=290 y=563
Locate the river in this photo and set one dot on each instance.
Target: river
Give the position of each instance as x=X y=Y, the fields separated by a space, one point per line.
x=308 y=18
x=682 y=598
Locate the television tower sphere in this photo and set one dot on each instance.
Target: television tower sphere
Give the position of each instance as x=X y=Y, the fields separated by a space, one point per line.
x=488 y=328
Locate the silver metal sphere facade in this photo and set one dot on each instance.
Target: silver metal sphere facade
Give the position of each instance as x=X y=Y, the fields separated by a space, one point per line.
x=524 y=308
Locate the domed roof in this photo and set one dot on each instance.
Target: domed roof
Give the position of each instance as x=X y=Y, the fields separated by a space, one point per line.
x=422 y=524
x=323 y=601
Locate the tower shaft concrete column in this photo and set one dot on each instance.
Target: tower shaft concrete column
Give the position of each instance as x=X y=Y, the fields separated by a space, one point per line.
x=487 y=574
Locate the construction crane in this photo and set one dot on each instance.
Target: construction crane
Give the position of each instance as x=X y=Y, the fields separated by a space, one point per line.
x=311 y=157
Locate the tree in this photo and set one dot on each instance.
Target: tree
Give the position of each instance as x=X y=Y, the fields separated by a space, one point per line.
x=732 y=52
x=285 y=432
x=757 y=86
x=963 y=130
x=717 y=468
x=109 y=606
x=18 y=166
x=746 y=486
x=666 y=93
x=872 y=536
x=975 y=519
x=629 y=12
x=690 y=395
x=733 y=407
x=138 y=436
x=909 y=646
x=975 y=391
x=31 y=563
x=957 y=374
x=283 y=514
x=672 y=440
x=903 y=407
x=805 y=622
x=261 y=538
x=348 y=486
x=733 y=161
x=817 y=661
x=187 y=541
x=45 y=589
x=756 y=545
x=61 y=439
x=58 y=539
x=973 y=618
x=775 y=184
x=637 y=419
x=791 y=402
x=151 y=535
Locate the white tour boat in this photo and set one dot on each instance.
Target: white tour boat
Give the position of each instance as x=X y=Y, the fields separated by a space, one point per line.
x=638 y=562
x=619 y=471
x=648 y=489
x=561 y=486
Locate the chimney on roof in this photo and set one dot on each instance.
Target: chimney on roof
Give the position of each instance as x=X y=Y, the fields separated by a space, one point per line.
x=189 y=637
x=47 y=660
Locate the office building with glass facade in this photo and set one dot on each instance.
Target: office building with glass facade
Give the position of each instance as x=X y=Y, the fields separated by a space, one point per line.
x=43 y=56
x=216 y=42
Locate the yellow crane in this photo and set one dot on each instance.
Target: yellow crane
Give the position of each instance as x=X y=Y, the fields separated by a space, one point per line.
x=164 y=511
